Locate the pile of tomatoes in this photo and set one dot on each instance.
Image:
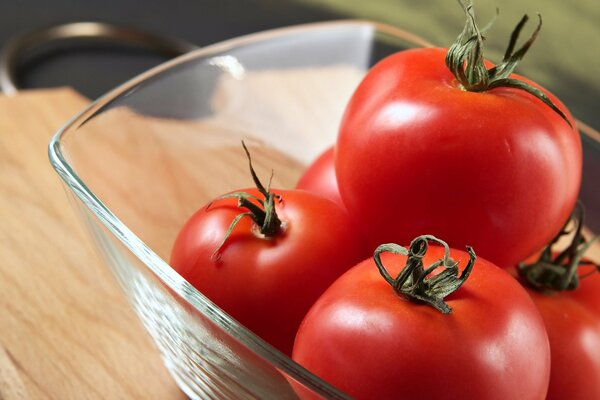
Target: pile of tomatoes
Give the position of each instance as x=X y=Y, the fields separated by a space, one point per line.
x=471 y=167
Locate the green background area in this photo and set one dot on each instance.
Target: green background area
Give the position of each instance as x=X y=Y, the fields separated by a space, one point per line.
x=565 y=57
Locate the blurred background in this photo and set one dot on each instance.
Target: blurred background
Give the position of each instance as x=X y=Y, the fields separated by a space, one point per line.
x=565 y=57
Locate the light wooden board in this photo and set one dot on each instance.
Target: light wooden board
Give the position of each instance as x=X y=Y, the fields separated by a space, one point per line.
x=66 y=330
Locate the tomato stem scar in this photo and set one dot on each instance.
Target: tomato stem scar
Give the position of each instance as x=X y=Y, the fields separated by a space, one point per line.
x=261 y=211
x=466 y=62
x=413 y=281
x=559 y=271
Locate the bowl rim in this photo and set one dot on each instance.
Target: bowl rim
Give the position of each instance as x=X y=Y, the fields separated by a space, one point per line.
x=157 y=266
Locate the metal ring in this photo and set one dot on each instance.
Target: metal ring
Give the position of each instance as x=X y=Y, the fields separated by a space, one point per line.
x=15 y=48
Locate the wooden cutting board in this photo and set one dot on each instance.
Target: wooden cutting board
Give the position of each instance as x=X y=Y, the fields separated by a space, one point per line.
x=66 y=330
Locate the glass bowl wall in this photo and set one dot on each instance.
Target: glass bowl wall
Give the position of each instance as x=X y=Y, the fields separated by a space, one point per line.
x=140 y=160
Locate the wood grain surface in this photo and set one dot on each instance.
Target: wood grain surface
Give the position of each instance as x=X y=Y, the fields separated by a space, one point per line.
x=66 y=330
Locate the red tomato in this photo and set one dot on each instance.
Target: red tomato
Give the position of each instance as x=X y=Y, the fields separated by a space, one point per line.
x=573 y=328
x=367 y=340
x=417 y=152
x=567 y=294
x=267 y=284
x=320 y=178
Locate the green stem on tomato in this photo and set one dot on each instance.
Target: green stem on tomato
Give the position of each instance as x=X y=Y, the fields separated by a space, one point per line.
x=559 y=271
x=414 y=281
x=466 y=62
x=261 y=211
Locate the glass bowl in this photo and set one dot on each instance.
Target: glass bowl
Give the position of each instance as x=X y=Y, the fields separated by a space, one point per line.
x=140 y=160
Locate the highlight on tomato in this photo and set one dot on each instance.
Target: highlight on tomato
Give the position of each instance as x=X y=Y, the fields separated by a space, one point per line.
x=442 y=141
x=407 y=324
x=566 y=289
x=265 y=255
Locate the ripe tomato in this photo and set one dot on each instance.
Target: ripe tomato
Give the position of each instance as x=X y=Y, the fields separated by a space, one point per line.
x=320 y=178
x=567 y=294
x=574 y=332
x=418 y=151
x=367 y=340
x=267 y=284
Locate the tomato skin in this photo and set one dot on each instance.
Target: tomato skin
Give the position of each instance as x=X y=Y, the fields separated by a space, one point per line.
x=588 y=291
x=572 y=320
x=319 y=178
x=415 y=153
x=374 y=344
x=268 y=284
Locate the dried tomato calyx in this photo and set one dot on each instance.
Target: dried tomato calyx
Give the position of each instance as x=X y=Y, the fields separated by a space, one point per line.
x=559 y=271
x=466 y=62
x=414 y=281
x=261 y=211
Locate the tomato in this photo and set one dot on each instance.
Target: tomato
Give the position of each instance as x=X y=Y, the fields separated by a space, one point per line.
x=574 y=333
x=567 y=294
x=572 y=320
x=267 y=284
x=320 y=178
x=418 y=151
x=372 y=343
